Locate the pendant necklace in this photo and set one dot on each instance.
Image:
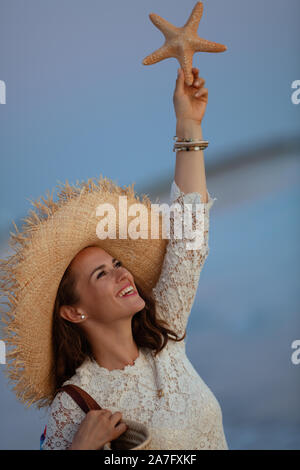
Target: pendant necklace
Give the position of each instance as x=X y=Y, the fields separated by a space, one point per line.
x=159 y=387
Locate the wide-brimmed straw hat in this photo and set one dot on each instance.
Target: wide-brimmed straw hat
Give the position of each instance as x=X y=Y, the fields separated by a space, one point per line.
x=52 y=235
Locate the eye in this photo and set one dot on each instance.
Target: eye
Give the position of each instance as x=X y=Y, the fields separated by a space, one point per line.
x=118 y=264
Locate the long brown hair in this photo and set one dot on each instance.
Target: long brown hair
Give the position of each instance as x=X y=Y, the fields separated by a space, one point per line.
x=70 y=345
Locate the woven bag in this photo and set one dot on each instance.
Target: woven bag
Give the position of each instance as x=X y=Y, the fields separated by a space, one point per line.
x=136 y=437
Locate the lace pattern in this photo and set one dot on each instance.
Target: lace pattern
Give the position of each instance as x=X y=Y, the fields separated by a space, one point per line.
x=188 y=416
x=177 y=286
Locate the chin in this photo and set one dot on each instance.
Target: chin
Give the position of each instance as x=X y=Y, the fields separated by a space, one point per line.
x=141 y=303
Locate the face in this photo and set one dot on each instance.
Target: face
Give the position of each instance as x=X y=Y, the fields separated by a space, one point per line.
x=99 y=280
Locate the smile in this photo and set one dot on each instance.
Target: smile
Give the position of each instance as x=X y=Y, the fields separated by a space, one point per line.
x=127 y=291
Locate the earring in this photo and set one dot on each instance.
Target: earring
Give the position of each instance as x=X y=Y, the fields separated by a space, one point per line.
x=83 y=317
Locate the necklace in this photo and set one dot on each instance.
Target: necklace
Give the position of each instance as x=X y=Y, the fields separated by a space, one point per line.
x=159 y=388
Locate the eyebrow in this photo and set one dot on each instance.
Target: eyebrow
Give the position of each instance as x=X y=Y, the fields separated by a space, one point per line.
x=101 y=267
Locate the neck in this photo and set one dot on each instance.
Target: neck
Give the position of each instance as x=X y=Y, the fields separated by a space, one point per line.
x=113 y=345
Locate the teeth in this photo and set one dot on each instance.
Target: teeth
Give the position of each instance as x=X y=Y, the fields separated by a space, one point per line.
x=126 y=290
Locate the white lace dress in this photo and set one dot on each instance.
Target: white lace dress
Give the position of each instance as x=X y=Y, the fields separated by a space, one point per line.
x=188 y=415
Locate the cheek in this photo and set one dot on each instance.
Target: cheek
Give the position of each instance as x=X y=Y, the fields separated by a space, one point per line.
x=102 y=295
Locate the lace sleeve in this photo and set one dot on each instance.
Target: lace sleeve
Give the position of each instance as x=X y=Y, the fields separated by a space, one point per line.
x=176 y=288
x=65 y=418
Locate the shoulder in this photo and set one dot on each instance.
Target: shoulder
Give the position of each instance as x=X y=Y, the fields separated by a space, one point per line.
x=173 y=349
x=81 y=378
x=83 y=374
x=63 y=403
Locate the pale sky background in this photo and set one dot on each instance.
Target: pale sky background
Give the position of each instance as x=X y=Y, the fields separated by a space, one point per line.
x=75 y=82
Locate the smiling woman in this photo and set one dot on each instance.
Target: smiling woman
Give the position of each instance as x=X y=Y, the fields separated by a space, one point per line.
x=90 y=319
x=70 y=325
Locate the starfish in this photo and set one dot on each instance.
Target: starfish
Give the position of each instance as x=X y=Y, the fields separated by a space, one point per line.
x=182 y=43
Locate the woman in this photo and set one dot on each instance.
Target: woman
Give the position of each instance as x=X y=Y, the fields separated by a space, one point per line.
x=126 y=347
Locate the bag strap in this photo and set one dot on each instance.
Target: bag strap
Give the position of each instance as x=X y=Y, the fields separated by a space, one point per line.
x=81 y=397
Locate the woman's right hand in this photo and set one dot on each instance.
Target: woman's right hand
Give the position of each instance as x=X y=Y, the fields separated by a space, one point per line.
x=98 y=428
x=189 y=107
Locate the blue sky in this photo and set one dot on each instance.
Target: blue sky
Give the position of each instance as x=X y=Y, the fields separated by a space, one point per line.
x=76 y=84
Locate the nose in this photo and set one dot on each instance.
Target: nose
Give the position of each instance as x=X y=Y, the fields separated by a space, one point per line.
x=123 y=277
x=122 y=274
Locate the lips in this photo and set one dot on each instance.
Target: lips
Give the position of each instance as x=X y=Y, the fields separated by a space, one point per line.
x=128 y=295
x=126 y=285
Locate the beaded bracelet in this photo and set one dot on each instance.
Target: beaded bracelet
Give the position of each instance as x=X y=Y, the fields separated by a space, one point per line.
x=200 y=143
x=182 y=139
x=179 y=149
x=189 y=144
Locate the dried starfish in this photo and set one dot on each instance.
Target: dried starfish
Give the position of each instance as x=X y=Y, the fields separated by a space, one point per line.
x=182 y=43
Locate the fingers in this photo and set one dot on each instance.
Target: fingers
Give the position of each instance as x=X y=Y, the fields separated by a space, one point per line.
x=115 y=420
x=116 y=417
x=120 y=429
x=199 y=82
x=182 y=74
x=196 y=75
x=201 y=93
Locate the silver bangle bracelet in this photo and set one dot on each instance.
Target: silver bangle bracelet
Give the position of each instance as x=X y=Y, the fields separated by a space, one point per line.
x=201 y=143
x=189 y=144
x=183 y=139
x=187 y=149
x=195 y=142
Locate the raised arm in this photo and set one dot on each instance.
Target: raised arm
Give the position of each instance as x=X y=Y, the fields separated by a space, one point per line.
x=177 y=286
x=189 y=110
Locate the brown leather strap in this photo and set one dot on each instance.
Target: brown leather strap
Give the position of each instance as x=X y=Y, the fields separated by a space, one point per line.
x=82 y=398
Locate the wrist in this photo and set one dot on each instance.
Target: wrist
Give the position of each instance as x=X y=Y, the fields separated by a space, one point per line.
x=189 y=129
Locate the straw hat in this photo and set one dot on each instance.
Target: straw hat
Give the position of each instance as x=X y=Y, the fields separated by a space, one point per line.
x=51 y=236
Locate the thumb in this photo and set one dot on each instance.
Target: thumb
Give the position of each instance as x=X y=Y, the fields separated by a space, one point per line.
x=180 y=81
